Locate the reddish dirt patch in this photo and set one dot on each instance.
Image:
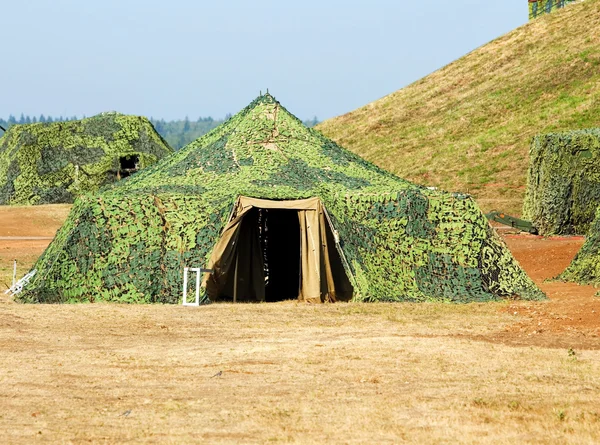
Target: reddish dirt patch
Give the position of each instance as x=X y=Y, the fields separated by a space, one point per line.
x=571 y=319
x=543 y=258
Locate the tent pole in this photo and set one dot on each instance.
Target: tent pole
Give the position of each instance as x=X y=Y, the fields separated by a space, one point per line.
x=300 y=215
x=235 y=277
x=338 y=247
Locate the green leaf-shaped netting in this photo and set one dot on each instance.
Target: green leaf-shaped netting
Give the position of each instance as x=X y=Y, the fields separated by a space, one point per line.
x=563 y=183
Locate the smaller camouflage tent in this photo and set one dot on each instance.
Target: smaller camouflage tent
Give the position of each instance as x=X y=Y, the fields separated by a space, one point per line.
x=585 y=267
x=55 y=162
x=563 y=183
x=277 y=211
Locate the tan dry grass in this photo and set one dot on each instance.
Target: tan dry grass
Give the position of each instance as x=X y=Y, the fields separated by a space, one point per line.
x=344 y=373
x=467 y=126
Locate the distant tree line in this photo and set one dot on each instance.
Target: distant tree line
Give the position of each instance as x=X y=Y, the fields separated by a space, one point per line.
x=177 y=133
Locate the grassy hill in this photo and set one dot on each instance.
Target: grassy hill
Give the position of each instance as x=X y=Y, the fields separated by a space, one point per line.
x=467 y=127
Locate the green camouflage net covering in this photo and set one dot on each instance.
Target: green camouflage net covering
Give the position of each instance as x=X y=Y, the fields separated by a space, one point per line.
x=563 y=184
x=56 y=162
x=402 y=242
x=585 y=267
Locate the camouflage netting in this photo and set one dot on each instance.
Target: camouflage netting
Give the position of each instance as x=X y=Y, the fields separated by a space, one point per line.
x=585 y=267
x=402 y=242
x=563 y=184
x=55 y=162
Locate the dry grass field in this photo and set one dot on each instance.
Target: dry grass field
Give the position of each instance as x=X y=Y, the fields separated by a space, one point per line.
x=513 y=372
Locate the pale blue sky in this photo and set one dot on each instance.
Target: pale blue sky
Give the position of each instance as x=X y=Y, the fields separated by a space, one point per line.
x=175 y=58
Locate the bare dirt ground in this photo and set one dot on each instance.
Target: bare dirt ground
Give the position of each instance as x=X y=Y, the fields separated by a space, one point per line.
x=572 y=316
x=23 y=221
x=514 y=372
x=19 y=228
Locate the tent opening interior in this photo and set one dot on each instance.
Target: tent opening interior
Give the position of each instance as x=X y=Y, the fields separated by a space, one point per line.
x=128 y=165
x=268 y=254
x=279 y=246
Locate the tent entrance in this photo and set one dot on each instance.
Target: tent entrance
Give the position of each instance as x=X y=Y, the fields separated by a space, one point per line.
x=273 y=258
x=279 y=233
x=277 y=250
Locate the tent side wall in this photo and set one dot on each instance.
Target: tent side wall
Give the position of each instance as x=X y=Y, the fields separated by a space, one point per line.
x=9 y=165
x=585 y=267
x=127 y=249
x=563 y=183
x=418 y=246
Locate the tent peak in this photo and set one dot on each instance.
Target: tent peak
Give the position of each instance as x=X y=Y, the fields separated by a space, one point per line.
x=265 y=98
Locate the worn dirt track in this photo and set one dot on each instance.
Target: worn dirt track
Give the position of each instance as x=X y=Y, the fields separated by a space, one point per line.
x=23 y=221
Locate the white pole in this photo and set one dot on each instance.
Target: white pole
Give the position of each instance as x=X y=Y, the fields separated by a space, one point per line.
x=15 y=273
x=235 y=277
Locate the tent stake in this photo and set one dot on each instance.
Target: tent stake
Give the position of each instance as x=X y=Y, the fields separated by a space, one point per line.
x=14 y=273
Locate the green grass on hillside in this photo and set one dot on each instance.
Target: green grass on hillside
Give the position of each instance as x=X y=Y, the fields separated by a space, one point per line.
x=467 y=127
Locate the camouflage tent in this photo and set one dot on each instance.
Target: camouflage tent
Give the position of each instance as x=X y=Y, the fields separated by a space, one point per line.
x=563 y=183
x=278 y=211
x=55 y=162
x=585 y=267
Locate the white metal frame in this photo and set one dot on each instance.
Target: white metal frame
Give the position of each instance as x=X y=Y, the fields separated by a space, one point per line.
x=17 y=287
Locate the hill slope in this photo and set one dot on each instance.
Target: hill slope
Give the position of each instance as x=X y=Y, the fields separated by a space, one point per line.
x=467 y=126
